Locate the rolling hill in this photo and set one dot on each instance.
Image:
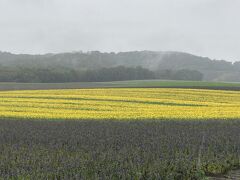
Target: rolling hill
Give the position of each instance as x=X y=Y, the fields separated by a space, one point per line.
x=213 y=70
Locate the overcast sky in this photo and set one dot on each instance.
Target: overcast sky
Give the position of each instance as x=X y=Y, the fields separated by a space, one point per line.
x=203 y=27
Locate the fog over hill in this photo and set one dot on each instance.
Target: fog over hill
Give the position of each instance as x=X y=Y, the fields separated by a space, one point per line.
x=213 y=70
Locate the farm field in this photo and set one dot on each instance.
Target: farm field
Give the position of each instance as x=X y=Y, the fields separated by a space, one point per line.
x=119 y=133
x=120 y=104
x=174 y=150
x=123 y=84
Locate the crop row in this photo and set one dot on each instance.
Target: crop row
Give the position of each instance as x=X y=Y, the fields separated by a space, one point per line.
x=118 y=149
x=120 y=104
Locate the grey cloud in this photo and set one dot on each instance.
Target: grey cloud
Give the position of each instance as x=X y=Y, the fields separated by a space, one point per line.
x=203 y=27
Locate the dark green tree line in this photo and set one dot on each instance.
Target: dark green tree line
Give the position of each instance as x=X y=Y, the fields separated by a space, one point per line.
x=63 y=74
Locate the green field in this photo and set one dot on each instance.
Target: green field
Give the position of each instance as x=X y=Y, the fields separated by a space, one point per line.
x=136 y=83
x=159 y=83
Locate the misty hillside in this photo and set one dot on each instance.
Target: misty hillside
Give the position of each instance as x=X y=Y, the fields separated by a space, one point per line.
x=213 y=70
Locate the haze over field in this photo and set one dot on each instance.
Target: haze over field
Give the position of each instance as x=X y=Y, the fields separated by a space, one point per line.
x=202 y=27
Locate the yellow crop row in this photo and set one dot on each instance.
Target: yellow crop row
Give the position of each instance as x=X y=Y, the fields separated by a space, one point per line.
x=127 y=103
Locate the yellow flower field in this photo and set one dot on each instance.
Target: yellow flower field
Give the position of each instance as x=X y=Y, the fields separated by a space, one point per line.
x=127 y=103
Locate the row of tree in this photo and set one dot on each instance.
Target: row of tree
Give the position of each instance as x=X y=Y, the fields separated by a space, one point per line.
x=119 y=73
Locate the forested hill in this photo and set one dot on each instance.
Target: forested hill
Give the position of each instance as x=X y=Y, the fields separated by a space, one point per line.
x=214 y=70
